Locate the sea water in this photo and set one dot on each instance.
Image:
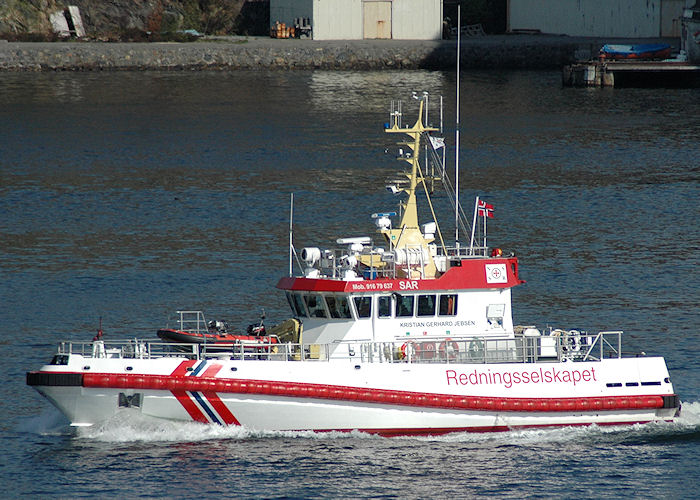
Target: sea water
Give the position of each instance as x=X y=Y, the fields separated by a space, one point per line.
x=127 y=196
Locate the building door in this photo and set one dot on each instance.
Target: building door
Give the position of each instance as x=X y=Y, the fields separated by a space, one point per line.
x=376 y=19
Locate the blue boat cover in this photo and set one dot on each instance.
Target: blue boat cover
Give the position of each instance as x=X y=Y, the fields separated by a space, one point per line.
x=638 y=50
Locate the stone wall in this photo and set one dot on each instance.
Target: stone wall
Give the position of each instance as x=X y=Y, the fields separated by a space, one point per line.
x=490 y=52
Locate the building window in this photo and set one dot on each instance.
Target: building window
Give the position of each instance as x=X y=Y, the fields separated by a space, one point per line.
x=338 y=306
x=363 y=306
x=426 y=305
x=384 y=306
x=448 y=305
x=404 y=305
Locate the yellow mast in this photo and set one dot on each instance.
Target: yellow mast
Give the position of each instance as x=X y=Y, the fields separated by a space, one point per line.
x=408 y=235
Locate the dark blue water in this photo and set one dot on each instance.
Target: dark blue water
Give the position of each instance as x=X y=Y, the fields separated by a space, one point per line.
x=128 y=196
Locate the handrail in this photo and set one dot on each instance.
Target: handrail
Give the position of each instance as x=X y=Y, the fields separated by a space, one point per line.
x=570 y=346
x=186 y=321
x=601 y=341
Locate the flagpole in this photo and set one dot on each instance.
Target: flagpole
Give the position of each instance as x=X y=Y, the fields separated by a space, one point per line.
x=471 y=243
x=485 y=217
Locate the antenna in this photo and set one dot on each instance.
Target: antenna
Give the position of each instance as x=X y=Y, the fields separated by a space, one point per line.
x=395 y=114
x=291 y=240
x=459 y=32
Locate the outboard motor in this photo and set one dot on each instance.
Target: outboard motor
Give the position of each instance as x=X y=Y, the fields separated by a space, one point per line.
x=217 y=326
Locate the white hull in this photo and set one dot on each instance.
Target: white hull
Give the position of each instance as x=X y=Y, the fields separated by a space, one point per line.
x=344 y=396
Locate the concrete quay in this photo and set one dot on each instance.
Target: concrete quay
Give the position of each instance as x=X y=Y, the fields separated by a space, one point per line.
x=233 y=53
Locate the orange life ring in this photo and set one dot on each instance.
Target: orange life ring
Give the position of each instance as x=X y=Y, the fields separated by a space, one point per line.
x=450 y=348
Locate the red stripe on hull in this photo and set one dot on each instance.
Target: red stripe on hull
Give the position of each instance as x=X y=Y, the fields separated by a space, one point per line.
x=221 y=408
x=189 y=406
x=181 y=370
x=378 y=396
x=212 y=371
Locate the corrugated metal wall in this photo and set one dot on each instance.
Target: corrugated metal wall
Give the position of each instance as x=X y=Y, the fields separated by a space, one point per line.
x=417 y=19
x=337 y=20
x=671 y=12
x=619 y=18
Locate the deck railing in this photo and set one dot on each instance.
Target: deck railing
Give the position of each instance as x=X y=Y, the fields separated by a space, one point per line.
x=473 y=350
x=191 y=321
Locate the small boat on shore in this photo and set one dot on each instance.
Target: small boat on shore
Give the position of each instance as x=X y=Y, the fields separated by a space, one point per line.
x=404 y=333
x=642 y=51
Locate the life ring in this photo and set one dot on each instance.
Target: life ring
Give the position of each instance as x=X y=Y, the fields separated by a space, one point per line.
x=406 y=350
x=448 y=349
x=476 y=349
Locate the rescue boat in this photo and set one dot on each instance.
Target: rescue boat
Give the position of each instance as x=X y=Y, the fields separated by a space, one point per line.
x=216 y=333
x=408 y=335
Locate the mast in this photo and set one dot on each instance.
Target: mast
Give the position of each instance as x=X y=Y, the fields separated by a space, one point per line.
x=409 y=218
x=459 y=32
x=408 y=238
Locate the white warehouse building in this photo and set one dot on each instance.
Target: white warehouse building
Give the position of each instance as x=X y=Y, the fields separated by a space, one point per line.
x=363 y=19
x=614 y=18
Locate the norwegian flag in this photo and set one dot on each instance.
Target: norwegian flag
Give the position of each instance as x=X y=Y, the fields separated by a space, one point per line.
x=484 y=209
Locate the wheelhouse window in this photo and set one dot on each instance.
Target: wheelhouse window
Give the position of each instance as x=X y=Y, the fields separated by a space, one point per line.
x=404 y=305
x=426 y=305
x=338 y=306
x=363 y=306
x=315 y=305
x=297 y=304
x=384 y=306
x=290 y=301
x=448 y=305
